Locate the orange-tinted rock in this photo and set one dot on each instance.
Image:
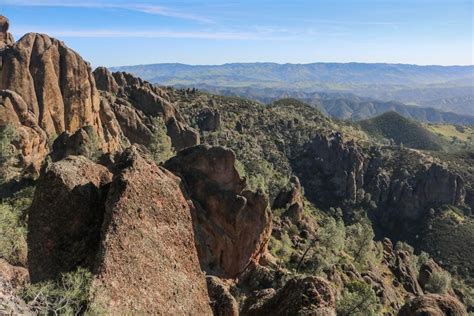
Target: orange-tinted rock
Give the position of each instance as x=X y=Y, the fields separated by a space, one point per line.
x=65 y=217
x=149 y=262
x=32 y=140
x=232 y=225
x=58 y=88
x=433 y=305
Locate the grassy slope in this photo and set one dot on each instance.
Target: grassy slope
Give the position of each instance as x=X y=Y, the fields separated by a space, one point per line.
x=391 y=125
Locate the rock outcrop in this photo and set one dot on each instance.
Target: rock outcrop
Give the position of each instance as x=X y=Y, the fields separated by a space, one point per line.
x=401 y=185
x=291 y=199
x=222 y=302
x=135 y=102
x=232 y=224
x=32 y=140
x=299 y=296
x=433 y=305
x=65 y=217
x=134 y=232
x=6 y=38
x=55 y=86
x=149 y=263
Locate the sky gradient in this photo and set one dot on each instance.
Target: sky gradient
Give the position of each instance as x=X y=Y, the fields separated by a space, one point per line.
x=116 y=33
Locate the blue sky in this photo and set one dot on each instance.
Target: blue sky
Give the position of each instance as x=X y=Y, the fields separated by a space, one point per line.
x=113 y=33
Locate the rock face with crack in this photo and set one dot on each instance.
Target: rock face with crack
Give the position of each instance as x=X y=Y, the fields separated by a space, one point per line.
x=232 y=224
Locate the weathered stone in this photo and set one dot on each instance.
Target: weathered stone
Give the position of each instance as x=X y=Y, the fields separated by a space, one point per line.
x=222 y=302
x=65 y=217
x=58 y=89
x=148 y=260
x=300 y=296
x=232 y=224
x=433 y=305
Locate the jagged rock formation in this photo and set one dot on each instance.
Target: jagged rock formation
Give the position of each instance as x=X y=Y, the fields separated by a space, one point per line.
x=6 y=38
x=433 y=305
x=65 y=217
x=232 y=224
x=334 y=170
x=291 y=200
x=55 y=86
x=135 y=102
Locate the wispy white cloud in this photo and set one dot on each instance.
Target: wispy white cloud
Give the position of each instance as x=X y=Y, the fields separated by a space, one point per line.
x=150 y=34
x=133 y=6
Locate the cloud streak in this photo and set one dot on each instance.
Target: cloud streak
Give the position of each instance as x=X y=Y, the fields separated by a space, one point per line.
x=137 y=7
x=152 y=34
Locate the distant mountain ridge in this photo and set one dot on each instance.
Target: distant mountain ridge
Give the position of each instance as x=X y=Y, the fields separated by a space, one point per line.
x=447 y=88
x=347 y=106
x=302 y=74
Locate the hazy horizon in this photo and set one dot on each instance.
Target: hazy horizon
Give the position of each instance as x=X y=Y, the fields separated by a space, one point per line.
x=118 y=33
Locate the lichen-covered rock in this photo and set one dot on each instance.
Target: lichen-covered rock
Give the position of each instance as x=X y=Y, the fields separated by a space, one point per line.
x=233 y=225
x=300 y=296
x=148 y=260
x=65 y=217
x=433 y=305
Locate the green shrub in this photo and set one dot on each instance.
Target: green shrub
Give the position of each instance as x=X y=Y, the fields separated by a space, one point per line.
x=13 y=212
x=357 y=298
x=360 y=244
x=8 y=135
x=328 y=246
x=160 y=145
x=12 y=235
x=92 y=149
x=67 y=296
x=439 y=282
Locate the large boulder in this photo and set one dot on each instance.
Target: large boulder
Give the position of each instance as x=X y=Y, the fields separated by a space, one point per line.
x=300 y=296
x=433 y=305
x=232 y=224
x=148 y=261
x=65 y=217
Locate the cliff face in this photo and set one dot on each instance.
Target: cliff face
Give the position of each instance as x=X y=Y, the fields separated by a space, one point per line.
x=56 y=88
x=403 y=185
